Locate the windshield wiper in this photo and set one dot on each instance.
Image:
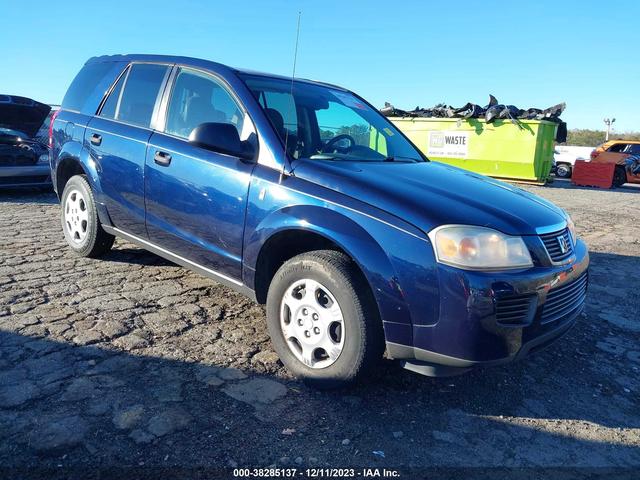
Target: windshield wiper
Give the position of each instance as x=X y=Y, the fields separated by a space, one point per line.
x=401 y=159
x=325 y=156
x=339 y=156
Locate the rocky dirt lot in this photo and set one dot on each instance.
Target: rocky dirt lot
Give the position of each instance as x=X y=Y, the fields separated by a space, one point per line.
x=133 y=362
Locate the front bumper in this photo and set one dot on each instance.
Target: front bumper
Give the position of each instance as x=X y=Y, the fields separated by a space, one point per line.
x=38 y=175
x=473 y=328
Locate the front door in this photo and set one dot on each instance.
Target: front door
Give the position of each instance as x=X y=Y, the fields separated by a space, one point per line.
x=117 y=139
x=195 y=198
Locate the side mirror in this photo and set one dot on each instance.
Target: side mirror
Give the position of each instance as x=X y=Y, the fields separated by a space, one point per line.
x=221 y=138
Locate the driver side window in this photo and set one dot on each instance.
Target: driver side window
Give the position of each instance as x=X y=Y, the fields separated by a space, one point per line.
x=198 y=98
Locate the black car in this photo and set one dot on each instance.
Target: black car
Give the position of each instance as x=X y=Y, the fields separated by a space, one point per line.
x=24 y=154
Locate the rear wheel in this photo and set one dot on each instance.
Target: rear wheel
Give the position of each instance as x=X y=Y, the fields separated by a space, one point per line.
x=619 y=176
x=563 y=170
x=80 y=222
x=323 y=321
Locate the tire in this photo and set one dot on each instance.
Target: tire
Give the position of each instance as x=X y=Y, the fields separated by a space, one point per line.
x=355 y=343
x=619 y=176
x=80 y=223
x=563 y=170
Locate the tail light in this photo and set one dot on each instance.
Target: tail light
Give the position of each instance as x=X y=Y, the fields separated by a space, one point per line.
x=53 y=119
x=594 y=154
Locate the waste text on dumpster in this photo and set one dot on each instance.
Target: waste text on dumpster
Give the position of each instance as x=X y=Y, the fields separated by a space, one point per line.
x=448 y=144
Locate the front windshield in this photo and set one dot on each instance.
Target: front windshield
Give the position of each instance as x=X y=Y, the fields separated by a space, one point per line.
x=324 y=123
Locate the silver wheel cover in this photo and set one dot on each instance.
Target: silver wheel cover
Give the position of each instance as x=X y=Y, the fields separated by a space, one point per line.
x=76 y=216
x=312 y=323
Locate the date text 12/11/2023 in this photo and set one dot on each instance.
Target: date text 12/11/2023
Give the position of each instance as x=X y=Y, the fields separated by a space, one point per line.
x=315 y=473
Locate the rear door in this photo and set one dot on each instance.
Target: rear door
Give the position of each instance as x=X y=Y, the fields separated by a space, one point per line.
x=196 y=199
x=117 y=138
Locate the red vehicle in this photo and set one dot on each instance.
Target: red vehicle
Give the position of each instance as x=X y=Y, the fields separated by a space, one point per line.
x=617 y=151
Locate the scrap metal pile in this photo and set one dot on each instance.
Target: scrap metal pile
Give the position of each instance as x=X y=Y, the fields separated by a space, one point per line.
x=494 y=110
x=632 y=164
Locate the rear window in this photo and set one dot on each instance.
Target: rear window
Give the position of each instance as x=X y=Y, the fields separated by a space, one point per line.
x=84 y=84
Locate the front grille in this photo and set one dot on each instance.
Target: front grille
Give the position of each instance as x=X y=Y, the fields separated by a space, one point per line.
x=564 y=300
x=515 y=310
x=558 y=244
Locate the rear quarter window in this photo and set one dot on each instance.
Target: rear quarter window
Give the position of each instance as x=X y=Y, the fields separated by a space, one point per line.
x=85 y=83
x=110 y=107
x=88 y=88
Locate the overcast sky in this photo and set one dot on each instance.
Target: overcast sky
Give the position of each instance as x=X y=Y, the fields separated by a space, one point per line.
x=528 y=53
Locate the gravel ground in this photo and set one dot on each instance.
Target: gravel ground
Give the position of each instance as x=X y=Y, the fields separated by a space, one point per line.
x=134 y=362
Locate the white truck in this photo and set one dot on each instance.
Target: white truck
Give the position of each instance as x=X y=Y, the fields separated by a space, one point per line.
x=565 y=157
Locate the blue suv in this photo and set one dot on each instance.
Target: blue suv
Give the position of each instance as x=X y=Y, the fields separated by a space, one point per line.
x=303 y=196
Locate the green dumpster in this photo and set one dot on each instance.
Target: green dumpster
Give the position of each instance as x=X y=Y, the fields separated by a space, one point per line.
x=501 y=149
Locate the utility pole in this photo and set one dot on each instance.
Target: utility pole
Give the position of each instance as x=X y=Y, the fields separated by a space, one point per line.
x=608 y=123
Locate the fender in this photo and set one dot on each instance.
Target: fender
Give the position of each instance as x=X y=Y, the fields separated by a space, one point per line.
x=396 y=258
x=363 y=232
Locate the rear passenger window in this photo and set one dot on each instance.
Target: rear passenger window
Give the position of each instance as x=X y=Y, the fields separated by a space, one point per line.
x=198 y=98
x=141 y=90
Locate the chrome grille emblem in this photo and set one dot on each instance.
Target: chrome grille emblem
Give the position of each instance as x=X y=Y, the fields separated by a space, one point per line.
x=564 y=246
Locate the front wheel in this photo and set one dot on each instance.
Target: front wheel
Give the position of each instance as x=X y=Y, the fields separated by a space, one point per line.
x=619 y=176
x=563 y=170
x=323 y=320
x=80 y=221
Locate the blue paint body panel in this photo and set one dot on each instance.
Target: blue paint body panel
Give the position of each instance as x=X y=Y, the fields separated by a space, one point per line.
x=197 y=204
x=218 y=211
x=120 y=159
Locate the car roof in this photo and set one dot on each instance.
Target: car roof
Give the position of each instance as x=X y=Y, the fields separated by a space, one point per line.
x=622 y=140
x=202 y=63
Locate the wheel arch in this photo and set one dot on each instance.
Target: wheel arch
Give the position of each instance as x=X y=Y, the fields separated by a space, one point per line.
x=281 y=247
x=294 y=230
x=67 y=168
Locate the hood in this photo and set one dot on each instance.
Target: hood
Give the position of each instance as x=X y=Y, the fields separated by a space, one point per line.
x=429 y=194
x=23 y=114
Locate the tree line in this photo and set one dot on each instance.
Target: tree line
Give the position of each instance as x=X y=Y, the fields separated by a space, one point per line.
x=592 y=138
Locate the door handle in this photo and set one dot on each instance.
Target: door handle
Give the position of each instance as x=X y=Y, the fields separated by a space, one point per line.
x=161 y=158
x=96 y=139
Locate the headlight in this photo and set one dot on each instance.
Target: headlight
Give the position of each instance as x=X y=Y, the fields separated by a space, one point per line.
x=44 y=158
x=572 y=229
x=479 y=248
